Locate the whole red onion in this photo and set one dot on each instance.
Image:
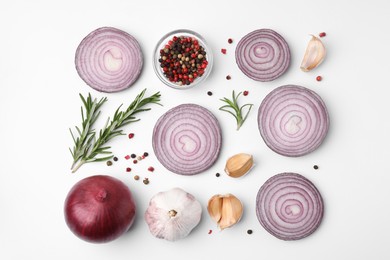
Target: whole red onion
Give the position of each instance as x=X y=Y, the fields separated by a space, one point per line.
x=99 y=209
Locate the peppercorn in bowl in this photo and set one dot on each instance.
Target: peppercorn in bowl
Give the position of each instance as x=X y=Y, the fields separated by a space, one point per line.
x=182 y=59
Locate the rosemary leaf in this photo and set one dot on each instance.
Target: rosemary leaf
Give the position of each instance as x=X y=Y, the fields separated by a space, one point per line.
x=235 y=110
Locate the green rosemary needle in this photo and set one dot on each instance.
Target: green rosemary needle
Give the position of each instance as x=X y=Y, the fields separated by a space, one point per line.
x=96 y=146
x=235 y=110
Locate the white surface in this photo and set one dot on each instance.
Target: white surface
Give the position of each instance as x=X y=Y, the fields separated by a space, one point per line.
x=39 y=102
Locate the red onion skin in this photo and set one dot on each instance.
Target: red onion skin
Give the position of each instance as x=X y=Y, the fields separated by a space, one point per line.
x=99 y=209
x=316 y=122
x=275 y=198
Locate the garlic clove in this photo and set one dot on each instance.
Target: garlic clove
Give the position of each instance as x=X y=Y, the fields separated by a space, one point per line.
x=314 y=55
x=226 y=210
x=238 y=165
x=215 y=208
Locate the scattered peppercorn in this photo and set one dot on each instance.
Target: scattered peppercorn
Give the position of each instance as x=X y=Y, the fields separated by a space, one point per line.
x=230 y=40
x=210 y=231
x=135 y=161
x=209 y=93
x=109 y=163
x=223 y=51
x=127 y=157
x=217 y=174
x=131 y=135
x=249 y=231
x=146 y=181
x=183 y=59
x=146 y=154
x=228 y=77
x=151 y=169
x=315 y=167
x=128 y=169
x=133 y=155
x=318 y=78
x=115 y=158
x=139 y=158
x=246 y=93
x=136 y=177
x=323 y=34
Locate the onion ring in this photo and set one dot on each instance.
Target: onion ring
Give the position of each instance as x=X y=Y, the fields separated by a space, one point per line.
x=187 y=139
x=263 y=55
x=109 y=60
x=293 y=120
x=289 y=206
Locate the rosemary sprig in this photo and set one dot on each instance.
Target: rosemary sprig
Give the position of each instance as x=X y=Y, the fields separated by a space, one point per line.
x=89 y=115
x=235 y=109
x=94 y=147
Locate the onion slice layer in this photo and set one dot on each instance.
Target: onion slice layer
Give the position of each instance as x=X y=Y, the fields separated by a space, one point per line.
x=187 y=139
x=289 y=206
x=293 y=120
x=263 y=55
x=109 y=60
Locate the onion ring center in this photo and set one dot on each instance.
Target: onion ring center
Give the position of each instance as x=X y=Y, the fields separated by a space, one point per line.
x=293 y=210
x=292 y=126
x=263 y=50
x=189 y=145
x=113 y=59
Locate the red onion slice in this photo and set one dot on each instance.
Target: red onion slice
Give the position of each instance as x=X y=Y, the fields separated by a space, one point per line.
x=187 y=139
x=109 y=60
x=263 y=55
x=289 y=206
x=293 y=120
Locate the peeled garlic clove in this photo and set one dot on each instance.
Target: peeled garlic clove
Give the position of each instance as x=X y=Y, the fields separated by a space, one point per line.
x=314 y=55
x=238 y=165
x=172 y=214
x=226 y=210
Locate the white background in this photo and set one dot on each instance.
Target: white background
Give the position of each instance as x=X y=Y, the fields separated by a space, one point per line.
x=39 y=102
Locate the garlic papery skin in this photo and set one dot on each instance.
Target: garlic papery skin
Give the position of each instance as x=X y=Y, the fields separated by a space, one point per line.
x=314 y=55
x=172 y=214
x=239 y=165
x=226 y=210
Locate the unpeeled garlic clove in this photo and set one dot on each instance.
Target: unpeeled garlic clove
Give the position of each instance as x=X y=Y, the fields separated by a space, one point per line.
x=226 y=210
x=238 y=165
x=314 y=55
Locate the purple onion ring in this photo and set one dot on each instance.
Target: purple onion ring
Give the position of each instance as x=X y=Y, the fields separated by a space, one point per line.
x=263 y=55
x=109 y=60
x=289 y=206
x=187 y=139
x=293 y=120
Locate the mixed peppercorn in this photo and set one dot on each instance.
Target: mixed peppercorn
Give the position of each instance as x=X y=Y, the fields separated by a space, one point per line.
x=183 y=60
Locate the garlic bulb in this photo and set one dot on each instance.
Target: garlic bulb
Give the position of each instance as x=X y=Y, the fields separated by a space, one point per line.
x=226 y=210
x=314 y=55
x=172 y=214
